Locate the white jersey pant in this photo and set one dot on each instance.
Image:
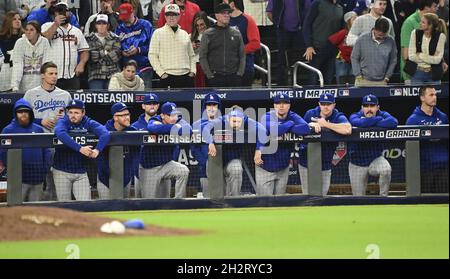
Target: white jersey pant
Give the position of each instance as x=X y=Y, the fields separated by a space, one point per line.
x=31 y=193
x=326 y=180
x=66 y=183
x=163 y=189
x=271 y=183
x=359 y=176
x=104 y=192
x=150 y=179
x=233 y=177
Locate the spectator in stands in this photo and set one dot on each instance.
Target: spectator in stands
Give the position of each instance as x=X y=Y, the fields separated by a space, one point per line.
x=10 y=32
x=426 y=51
x=250 y=35
x=187 y=13
x=69 y=49
x=411 y=23
x=324 y=19
x=222 y=54
x=287 y=17
x=46 y=14
x=137 y=7
x=30 y=53
x=171 y=54
x=69 y=164
x=405 y=8
x=35 y=161
x=152 y=9
x=362 y=7
x=343 y=68
x=442 y=10
x=366 y=158
x=135 y=35
x=127 y=80
x=2 y=58
x=104 y=53
x=366 y=22
x=5 y=7
x=325 y=115
x=206 y=5
x=106 y=8
x=433 y=153
x=200 y=24
x=374 y=56
x=120 y=122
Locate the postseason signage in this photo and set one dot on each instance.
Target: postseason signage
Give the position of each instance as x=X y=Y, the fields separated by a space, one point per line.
x=188 y=95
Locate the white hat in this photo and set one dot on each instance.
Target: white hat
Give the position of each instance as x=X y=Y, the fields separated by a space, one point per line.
x=172 y=8
x=101 y=18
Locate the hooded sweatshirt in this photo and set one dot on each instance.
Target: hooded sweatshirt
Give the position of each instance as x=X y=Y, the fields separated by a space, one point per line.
x=293 y=123
x=328 y=148
x=130 y=159
x=433 y=153
x=27 y=62
x=362 y=154
x=68 y=157
x=35 y=161
x=158 y=155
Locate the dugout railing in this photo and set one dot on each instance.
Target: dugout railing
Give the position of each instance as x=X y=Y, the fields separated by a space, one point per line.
x=411 y=135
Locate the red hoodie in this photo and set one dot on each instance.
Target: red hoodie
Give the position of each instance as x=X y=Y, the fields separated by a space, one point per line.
x=186 y=16
x=338 y=39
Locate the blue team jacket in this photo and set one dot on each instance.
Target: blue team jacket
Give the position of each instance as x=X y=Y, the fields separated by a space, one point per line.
x=35 y=161
x=232 y=151
x=293 y=123
x=433 y=154
x=158 y=155
x=362 y=154
x=130 y=159
x=328 y=149
x=42 y=16
x=138 y=35
x=68 y=157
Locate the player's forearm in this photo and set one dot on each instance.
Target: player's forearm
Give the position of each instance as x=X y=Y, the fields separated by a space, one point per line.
x=50 y=31
x=342 y=129
x=84 y=57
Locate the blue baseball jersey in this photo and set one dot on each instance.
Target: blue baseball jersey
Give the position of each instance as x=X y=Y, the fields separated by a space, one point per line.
x=42 y=16
x=292 y=123
x=158 y=155
x=138 y=35
x=328 y=148
x=130 y=159
x=68 y=157
x=362 y=154
x=433 y=153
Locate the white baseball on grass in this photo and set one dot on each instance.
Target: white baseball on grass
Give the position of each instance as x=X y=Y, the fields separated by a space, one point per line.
x=106 y=228
x=117 y=227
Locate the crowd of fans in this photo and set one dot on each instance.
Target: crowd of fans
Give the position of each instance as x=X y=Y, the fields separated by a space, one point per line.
x=173 y=43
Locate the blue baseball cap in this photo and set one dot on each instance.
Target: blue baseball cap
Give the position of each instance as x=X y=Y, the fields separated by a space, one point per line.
x=370 y=100
x=237 y=113
x=169 y=108
x=212 y=98
x=282 y=97
x=327 y=98
x=151 y=98
x=118 y=107
x=75 y=104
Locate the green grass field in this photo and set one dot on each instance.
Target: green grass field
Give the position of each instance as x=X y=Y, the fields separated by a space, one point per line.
x=410 y=231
